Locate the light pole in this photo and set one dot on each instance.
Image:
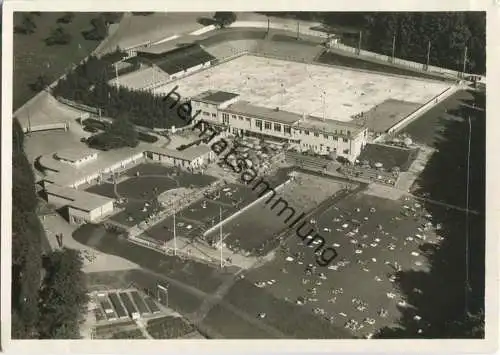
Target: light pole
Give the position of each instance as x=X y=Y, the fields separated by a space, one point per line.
x=467 y=221
x=164 y=289
x=220 y=234
x=428 y=55
x=359 y=43
x=175 y=237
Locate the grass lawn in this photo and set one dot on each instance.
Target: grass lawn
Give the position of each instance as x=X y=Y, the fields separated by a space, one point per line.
x=363 y=246
x=168 y=327
x=232 y=326
x=389 y=156
x=192 y=273
x=128 y=334
x=428 y=129
x=284 y=316
x=33 y=57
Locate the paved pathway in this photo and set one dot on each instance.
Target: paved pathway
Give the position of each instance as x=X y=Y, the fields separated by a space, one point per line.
x=55 y=224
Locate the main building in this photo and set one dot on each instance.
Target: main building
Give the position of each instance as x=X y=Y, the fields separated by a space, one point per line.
x=308 y=133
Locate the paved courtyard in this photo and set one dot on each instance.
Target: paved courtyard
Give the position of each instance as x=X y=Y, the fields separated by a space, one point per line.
x=302 y=88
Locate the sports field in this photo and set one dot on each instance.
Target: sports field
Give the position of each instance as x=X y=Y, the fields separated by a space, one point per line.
x=302 y=88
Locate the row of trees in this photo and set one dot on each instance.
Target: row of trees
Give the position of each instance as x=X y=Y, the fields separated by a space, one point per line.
x=48 y=292
x=87 y=84
x=121 y=133
x=447 y=32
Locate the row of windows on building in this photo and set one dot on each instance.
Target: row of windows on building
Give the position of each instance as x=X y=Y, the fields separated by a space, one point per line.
x=315 y=147
x=276 y=127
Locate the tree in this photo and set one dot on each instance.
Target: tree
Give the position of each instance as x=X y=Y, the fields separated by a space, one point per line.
x=448 y=33
x=66 y=18
x=122 y=127
x=58 y=36
x=112 y=17
x=40 y=83
x=26 y=236
x=63 y=296
x=224 y=19
x=99 y=29
x=27 y=26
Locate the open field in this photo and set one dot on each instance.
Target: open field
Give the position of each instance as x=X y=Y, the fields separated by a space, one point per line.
x=366 y=241
x=33 y=57
x=299 y=87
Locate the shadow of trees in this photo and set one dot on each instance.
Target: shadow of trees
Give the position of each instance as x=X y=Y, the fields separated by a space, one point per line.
x=447 y=307
x=206 y=21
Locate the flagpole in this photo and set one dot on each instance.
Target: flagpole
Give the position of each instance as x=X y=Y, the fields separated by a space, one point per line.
x=175 y=237
x=220 y=234
x=465 y=59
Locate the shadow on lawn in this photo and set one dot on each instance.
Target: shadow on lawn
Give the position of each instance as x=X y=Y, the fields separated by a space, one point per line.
x=206 y=21
x=442 y=303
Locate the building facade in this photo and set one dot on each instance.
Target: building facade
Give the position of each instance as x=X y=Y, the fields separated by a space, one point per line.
x=307 y=133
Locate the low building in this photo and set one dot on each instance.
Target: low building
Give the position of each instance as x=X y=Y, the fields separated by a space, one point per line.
x=193 y=157
x=82 y=206
x=80 y=166
x=77 y=157
x=322 y=136
x=178 y=62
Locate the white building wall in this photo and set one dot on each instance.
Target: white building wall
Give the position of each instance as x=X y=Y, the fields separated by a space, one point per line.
x=77 y=216
x=208 y=112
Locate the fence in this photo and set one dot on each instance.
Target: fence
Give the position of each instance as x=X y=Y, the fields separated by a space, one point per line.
x=397 y=61
x=77 y=105
x=228 y=219
x=292 y=27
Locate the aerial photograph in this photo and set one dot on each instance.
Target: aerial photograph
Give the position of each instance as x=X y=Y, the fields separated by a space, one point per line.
x=248 y=175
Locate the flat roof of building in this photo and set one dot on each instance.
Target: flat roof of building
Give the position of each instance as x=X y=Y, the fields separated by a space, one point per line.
x=74 y=154
x=330 y=126
x=188 y=154
x=65 y=174
x=294 y=119
x=248 y=109
x=82 y=200
x=215 y=97
x=180 y=59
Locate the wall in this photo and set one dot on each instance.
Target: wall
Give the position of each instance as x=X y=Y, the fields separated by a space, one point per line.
x=46 y=127
x=423 y=109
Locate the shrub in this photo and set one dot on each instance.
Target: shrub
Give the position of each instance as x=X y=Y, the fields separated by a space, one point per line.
x=147 y=137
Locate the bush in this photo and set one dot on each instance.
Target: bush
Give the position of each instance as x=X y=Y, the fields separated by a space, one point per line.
x=147 y=137
x=90 y=122
x=58 y=36
x=66 y=18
